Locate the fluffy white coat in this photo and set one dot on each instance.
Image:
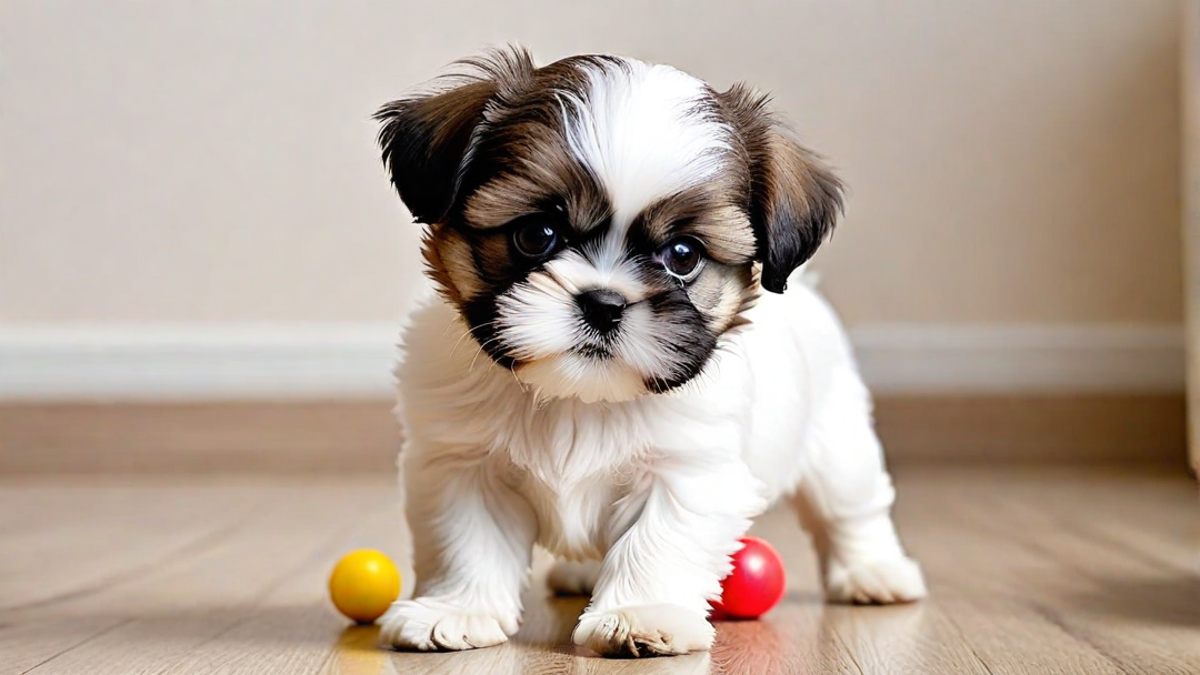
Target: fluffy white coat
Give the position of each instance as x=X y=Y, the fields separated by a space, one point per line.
x=659 y=488
x=572 y=453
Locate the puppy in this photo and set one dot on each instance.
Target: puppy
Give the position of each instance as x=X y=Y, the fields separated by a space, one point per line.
x=601 y=373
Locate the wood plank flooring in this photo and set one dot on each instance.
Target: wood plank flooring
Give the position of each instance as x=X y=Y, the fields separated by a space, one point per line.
x=1032 y=570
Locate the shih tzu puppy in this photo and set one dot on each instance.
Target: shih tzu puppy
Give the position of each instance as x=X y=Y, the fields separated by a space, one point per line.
x=601 y=372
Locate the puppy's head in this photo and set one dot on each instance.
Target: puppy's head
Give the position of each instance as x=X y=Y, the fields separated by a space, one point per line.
x=600 y=222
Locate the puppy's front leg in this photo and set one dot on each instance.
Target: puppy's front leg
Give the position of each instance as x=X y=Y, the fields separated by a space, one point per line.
x=674 y=534
x=472 y=540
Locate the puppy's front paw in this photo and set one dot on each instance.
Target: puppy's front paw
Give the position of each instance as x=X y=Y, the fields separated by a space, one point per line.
x=647 y=630
x=877 y=582
x=428 y=624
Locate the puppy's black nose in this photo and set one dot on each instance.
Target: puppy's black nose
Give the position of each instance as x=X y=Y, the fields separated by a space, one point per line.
x=601 y=308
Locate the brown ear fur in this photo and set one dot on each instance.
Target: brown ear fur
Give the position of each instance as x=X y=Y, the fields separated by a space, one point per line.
x=795 y=199
x=425 y=137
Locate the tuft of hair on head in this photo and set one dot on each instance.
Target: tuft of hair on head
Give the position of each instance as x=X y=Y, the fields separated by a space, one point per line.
x=794 y=197
x=425 y=136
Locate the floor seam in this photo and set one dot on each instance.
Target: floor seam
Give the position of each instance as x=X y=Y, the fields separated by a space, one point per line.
x=75 y=646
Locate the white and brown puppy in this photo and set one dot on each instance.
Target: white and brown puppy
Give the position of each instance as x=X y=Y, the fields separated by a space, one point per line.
x=600 y=373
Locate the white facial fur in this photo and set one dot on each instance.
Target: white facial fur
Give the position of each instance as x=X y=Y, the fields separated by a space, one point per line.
x=540 y=321
x=639 y=132
x=638 y=129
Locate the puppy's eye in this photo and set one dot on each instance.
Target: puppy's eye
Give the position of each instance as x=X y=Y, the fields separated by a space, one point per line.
x=681 y=257
x=535 y=239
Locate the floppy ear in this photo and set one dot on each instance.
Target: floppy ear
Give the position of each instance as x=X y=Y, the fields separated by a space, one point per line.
x=795 y=199
x=424 y=140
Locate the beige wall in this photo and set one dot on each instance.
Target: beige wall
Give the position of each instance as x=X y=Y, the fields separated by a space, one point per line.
x=1009 y=162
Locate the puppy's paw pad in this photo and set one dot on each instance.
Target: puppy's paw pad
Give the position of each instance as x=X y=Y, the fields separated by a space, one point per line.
x=573 y=578
x=647 y=630
x=429 y=625
x=876 y=582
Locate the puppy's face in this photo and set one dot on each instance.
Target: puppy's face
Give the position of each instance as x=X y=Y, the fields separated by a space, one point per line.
x=597 y=221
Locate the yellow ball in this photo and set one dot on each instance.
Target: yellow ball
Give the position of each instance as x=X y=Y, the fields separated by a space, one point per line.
x=364 y=584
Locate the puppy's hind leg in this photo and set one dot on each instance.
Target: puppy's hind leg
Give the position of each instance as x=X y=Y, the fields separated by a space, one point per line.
x=844 y=501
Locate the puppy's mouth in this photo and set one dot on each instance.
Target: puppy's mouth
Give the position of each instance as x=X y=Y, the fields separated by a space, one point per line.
x=593 y=351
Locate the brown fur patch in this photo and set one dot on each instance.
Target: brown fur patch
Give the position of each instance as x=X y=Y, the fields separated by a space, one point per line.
x=543 y=175
x=708 y=212
x=720 y=293
x=435 y=268
x=794 y=199
x=451 y=264
x=527 y=165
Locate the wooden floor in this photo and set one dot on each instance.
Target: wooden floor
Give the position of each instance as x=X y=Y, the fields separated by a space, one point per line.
x=1032 y=570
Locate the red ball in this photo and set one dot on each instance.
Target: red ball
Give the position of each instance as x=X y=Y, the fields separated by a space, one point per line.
x=755 y=585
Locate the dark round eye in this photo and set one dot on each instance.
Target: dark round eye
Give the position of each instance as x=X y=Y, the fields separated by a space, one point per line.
x=535 y=239
x=681 y=256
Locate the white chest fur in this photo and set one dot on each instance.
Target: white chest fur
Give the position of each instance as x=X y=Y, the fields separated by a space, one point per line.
x=574 y=462
x=757 y=404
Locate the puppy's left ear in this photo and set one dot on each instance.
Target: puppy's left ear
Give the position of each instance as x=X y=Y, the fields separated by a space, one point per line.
x=795 y=199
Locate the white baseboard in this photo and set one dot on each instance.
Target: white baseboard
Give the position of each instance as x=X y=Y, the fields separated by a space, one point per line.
x=173 y=362
x=1022 y=359
x=244 y=362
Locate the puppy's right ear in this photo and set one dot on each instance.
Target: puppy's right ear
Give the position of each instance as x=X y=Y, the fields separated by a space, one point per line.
x=794 y=199
x=424 y=140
